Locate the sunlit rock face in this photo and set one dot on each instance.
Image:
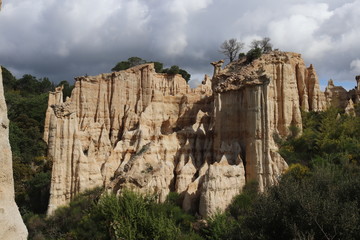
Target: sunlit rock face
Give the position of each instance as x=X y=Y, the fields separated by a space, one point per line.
x=130 y=129
x=256 y=101
x=150 y=132
x=11 y=224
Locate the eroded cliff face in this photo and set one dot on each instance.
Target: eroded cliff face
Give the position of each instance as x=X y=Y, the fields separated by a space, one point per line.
x=150 y=132
x=254 y=102
x=124 y=129
x=11 y=224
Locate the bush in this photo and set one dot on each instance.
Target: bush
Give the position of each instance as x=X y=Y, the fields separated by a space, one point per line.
x=129 y=216
x=253 y=54
x=242 y=55
x=220 y=226
x=321 y=204
x=327 y=136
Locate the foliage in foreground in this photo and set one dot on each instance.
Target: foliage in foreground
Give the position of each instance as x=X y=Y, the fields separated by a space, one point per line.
x=322 y=203
x=128 y=216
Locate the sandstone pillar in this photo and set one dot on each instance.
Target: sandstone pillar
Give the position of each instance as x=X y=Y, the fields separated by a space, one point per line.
x=11 y=224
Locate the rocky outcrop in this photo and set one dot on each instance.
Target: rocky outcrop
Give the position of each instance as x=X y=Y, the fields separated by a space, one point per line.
x=254 y=102
x=11 y=224
x=336 y=96
x=354 y=94
x=150 y=132
x=124 y=129
x=350 y=108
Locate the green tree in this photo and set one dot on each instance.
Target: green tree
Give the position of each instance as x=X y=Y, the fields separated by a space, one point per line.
x=45 y=85
x=134 y=61
x=131 y=62
x=176 y=70
x=185 y=74
x=173 y=70
x=319 y=205
x=9 y=80
x=327 y=136
x=123 y=65
x=253 y=54
x=27 y=84
x=158 y=67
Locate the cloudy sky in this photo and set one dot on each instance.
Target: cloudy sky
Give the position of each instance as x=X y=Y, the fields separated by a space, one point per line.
x=68 y=38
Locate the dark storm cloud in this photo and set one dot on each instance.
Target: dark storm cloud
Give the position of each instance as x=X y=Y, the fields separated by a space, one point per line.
x=64 y=39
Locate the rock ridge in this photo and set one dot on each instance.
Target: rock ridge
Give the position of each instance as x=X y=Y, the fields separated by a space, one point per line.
x=151 y=132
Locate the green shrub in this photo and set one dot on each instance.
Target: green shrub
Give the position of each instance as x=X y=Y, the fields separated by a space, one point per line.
x=220 y=226
x=242 y=55
x=128 y=216
x=322 y=204
x=253 y=54
x=327 y=136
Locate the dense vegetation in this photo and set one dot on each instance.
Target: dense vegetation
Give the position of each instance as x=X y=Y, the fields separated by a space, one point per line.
x=26 y=100
x=159 y=67
x=328 y=137
x=130 y=216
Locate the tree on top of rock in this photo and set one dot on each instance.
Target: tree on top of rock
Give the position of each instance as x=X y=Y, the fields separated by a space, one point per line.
x=131 y=62
x=230 y=48
x=134 y=61
x=176 y=70
x=264 y=44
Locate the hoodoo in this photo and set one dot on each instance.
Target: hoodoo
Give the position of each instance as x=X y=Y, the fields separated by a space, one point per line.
x=11 y=224
x=151 y=132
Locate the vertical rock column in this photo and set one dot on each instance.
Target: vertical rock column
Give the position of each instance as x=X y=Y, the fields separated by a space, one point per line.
x=11 y=224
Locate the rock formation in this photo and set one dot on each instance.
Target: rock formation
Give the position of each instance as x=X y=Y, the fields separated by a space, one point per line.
x=150 y=132
x=11 y=224
x=254 y=102
x=336 y=96
x=354 y=94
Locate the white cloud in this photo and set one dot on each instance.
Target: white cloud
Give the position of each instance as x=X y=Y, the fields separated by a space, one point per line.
x=171 y=20
x=355 y=66
x=298 y=30
x=62 y=39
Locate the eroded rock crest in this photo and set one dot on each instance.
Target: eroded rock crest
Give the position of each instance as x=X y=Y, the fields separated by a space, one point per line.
x=150 y=132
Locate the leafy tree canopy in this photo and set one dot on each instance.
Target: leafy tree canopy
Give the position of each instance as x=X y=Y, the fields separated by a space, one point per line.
x=134 y=61
x=253 y=54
